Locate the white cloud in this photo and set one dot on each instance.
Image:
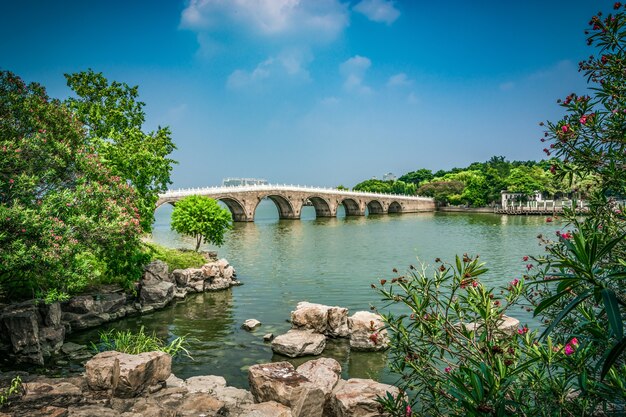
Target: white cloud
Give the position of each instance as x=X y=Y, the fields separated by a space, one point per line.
x=399 y=80
x=289 y=63
x=382 y=11
x=318 y=20
x=354 y=70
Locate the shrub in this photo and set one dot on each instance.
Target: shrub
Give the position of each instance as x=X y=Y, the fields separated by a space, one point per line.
x=134 y=343
x=14 y=390
x=175 y=258
x=201 y=218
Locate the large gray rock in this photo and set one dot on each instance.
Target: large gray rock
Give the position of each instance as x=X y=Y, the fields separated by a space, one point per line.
x=357 y=398
x=250 y=324
x=296 y=343
x=202 y=404
x=156 y=271
x=156 y=295
x=127 y=375
x=280 y=382
x=367 y=332
x=51 y=393
x=191 y=278
x=331 y=321
x=19 y=325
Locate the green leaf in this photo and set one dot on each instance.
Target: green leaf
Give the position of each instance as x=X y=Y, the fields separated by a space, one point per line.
x=549 y=301
x=566 y=311
x=612 y=356
x=613 y=313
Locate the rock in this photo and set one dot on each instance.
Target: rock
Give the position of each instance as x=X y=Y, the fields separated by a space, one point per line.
x=233 y=398
x=211 y=270
x=180 y=293
x=203 y=404
x=189 y=277
x=507 y=325
x=51 y=314
x=357 y=397
x=296 y=343
x=250 y=324
x=156 y=271
x=325 y=373
x=78 y=321
x=80 y=304
x=109 y=302
x=51 y=339
x=217 y=284
x=229 y=273
x=205 y=383
x=127 y=375
x=49 y=411
x=71 y=347
x=268 y=337
x=331 y=321
x=92 y=411
x=280 y=382
x=156 y=295
x=57 y=394
x=367 y=332
x=20 y=328
x=266 y=409
x=174 y=382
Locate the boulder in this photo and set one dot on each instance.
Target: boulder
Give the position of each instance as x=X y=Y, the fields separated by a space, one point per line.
x=189 y=277
x=357 y=398
x=51 y=314
x=51 y=339
x=324 y=373
x=127 y=375
x=296 y=343
x=109 y=302
x=367 y=332
x=19 y=325
x=51 y=393
x=80 y=304
x=250 y=324
x=92 y=411
x=229 y=272
x=156 y=295
x=211 y=270
x=266 y=409
x=331 y=321
x=201 y=404
x=507 y=325
x=280 y=382
x=156 y=271
x=204 y=383
x=268 y=337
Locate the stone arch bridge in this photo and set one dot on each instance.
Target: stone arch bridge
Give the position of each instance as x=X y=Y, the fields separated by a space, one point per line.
x=289 y=199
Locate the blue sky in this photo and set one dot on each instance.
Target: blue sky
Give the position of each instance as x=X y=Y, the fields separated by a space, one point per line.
x=317 y=92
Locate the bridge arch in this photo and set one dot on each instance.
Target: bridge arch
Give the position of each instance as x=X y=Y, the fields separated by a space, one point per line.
x=286 y=209
x=375 y=207
x=352 y=207
x=322 y=206
x=237 y=209
x=394 y=207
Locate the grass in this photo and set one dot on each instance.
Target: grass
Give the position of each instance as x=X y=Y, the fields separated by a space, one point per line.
x=135 y=343
x=175 y=258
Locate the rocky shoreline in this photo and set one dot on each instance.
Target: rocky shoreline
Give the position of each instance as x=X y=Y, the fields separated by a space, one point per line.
x=32 y=331
x=121 y=385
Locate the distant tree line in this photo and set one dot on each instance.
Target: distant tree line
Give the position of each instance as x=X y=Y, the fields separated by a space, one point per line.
x=481 y=183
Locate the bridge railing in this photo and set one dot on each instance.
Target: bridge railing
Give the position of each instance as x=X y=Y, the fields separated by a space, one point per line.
x=183 y=192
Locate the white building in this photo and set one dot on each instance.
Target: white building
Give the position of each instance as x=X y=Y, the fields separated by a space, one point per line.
x=389 y=177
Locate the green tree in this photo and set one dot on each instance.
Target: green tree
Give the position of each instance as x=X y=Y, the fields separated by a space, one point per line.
x=114 y=118
x=201 y=218
x=444 y=192
x=417 y=177
x=65 y=220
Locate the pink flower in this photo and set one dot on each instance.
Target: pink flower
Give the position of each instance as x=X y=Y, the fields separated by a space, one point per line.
x=475 y=284
x=583 y=119
x=566 y=235
x=11 y=181
x=525 y=258
x=408 y=411
x=529 y=266
x=549 y=220
x=573 y=342
x=514 y=282
x=565 y=128
x=522 y=330
x=568 y=350
x=447 y=370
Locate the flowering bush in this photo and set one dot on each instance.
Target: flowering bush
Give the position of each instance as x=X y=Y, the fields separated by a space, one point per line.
x=575 y=365
x=64 y=220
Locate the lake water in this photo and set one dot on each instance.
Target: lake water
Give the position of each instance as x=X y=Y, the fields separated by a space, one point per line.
x=330 y=261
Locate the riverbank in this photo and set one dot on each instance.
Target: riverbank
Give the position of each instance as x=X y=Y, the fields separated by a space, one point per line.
x=121 y=385
x=34 y=331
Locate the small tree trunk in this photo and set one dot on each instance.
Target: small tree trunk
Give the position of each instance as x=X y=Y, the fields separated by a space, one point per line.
x=198 y=241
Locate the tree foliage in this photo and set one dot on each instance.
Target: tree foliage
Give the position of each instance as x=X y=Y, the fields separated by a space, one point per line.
x=386 y=187
x=65 y=219
x=201 y=218
x=114 y=117
x=417 y=177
